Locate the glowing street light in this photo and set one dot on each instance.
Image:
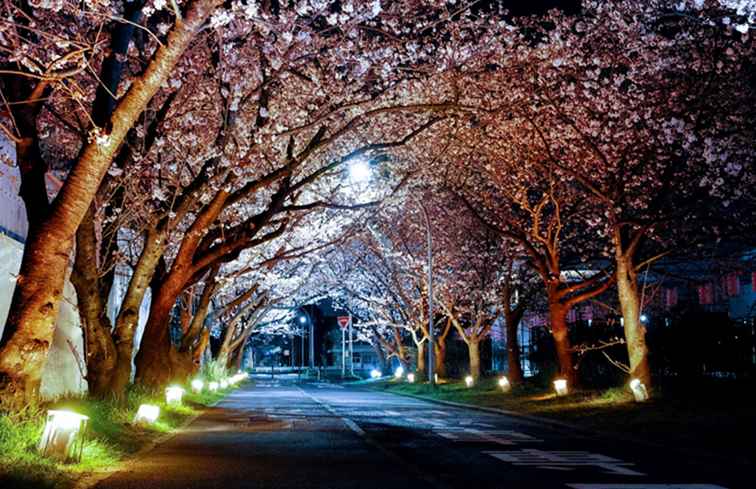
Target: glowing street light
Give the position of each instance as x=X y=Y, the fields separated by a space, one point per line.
x=212 y=386
x=197 y=386
x=469 y=381
x=146 y=414
x=63 y=437
x=173 y=395
x=560 y=386
x=504 y=384
x=640 y=393
x=375 y=374
x=411 y=378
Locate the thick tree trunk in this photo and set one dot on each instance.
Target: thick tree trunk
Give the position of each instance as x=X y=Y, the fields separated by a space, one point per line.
x=100 y=349
x=635 y=332
x=560 y=333
x=440 y=357
x=473 y=349
x=420 y=370
x=154 y=365
x=39 y=288
x=513 y=349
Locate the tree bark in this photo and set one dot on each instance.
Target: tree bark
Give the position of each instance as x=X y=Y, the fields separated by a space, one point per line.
x=39 y=288
x=100 y=349
x=420 y=370
x=128 y=314
x=635 y=332
x=513 y=348
x=473 y=350
x=440 y=357
x=560 y=333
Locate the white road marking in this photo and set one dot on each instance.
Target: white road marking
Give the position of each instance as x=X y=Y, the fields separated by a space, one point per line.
x=392 y=413
x=502 y=437
x=645 y=486
x=564 y=459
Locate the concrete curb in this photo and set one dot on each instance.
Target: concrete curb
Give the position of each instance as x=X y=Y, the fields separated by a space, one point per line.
x=94 y=478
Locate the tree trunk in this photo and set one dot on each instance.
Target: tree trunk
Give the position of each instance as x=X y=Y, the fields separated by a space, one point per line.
x=39 y=288
x=473 y=349
x=420 y=370
x=513 y=349
x=100 y=349
x=635 y=332
x=128 y=314
x=440 y=357
x=560 y=333
x=154 y=365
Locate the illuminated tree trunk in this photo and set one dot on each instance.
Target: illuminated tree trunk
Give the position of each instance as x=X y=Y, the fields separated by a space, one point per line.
x=513 y=348
x=154 y=362
x=100 y=349
x=440 y=357
x=39 y=288
x=421 y=362
x=473 y=350
x=560 y=333
x=635 y=332
x=128 y=315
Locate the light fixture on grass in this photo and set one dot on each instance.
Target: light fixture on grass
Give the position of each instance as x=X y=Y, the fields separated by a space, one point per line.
x=63 y=437
x=173 y=395
x=469 y=381
x=197 y=386
x=375 y=374
x=504 y=384
x=212 y=386
x=560 y=386
x=224 y=384
x=399 y=372
x=411 y=378
x=640 y=393
x=147 y=414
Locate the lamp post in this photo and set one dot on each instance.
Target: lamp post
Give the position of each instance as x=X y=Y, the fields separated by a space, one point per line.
x=431 y=332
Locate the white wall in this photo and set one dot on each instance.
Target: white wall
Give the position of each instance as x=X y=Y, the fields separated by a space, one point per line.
x=65 y=369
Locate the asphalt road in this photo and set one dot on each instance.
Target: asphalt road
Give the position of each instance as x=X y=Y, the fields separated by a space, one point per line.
x=279 y=434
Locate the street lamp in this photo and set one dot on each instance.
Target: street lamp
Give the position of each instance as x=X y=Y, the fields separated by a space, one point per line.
x=359 y=170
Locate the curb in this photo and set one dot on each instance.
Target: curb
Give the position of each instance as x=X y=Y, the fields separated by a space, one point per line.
x=95 y=478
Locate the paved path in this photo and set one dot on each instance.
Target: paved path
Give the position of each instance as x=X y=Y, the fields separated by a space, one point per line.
x=285 y=435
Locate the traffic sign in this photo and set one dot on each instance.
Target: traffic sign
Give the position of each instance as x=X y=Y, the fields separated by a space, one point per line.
x=343 y=321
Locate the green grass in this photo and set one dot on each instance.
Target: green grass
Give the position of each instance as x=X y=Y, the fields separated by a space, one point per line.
x=715 y=416
x=111 y=437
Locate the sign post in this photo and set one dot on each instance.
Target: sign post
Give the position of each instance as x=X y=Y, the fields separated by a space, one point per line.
x=344 y=322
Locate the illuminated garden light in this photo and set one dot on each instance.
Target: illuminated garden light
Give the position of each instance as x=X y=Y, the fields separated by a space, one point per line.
x=146 y=414
x=375 y=374
x=197 y=386
x=504 y=384
x=359 y=170
x=302 y=319
x=644 y=318
x=560 y=386
x=399 y=372
x=469 y=381
x=411 y=378
x=640 y=393
x=173 y=395
x=224 y=384
x=63 y=437
x=212 y=386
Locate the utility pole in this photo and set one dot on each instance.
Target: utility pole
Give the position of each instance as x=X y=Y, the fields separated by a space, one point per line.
x=351 y=348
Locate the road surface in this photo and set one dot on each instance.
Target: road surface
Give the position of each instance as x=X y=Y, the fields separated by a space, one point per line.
x=278 y=434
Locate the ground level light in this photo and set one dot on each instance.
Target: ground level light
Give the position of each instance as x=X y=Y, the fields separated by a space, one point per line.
x=560 y=386
x=147 y=414
x=173 y=395
x=504 y=384
x=63 y=437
